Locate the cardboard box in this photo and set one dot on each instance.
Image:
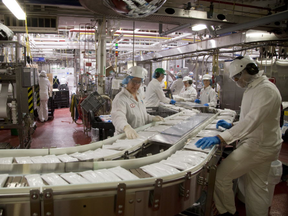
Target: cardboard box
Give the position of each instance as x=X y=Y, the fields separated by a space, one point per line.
x=50 y=77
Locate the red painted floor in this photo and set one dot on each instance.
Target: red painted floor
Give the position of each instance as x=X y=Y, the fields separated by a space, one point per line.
x=59 y=132
x=63 y=132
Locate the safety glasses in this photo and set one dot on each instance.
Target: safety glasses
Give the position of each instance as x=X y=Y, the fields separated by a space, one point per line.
x=136 y=82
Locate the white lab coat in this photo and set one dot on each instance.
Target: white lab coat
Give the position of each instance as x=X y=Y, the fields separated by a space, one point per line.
x=63 y=80
x=70 y=83
x=208 y=95
x=155 y=94
x=44 y=86
x=189 y=94
x=260 y=142
x=126 y=110
x=176 y=86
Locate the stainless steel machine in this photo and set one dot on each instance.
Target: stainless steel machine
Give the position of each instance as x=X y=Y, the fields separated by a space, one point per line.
x=17 y=81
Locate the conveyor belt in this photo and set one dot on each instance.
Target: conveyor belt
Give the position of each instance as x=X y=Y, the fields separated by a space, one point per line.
x=146 y=195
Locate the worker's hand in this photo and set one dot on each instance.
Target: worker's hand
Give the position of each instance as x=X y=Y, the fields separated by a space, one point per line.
x=223 y=124
x=130 y=132
x=157 y=118
x=206 y=104
x=197 y=101
x=207 y=142
x=172 y=101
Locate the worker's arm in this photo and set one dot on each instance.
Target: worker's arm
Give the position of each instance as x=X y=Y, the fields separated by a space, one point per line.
x=160 y=93
x=213 y=98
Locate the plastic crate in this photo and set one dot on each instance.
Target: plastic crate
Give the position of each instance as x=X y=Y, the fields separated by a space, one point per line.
x=93 y=102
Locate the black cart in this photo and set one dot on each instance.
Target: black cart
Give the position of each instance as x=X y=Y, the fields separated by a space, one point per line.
x=51 y=107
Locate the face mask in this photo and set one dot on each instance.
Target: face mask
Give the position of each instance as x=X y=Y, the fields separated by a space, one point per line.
x=244 y=80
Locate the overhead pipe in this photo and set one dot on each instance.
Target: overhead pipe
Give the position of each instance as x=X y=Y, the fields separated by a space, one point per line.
x=180 y=37
x=254 y=23
x=175 y=29
x=237 y=4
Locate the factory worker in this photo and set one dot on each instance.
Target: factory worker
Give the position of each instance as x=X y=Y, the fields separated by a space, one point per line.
x=56 y=82
x=208 y=96
x=128 y=108
x=260 y=141
x=154 y=92
x=70 y=83
x=188 y=92
x=177 y=85
x=44 y=88
x=191 y=74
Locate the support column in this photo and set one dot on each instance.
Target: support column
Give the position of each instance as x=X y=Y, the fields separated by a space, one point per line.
x=101 y=56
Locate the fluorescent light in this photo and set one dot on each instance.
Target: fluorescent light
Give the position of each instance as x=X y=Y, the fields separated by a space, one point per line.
x=198 y=27
x=15 y=8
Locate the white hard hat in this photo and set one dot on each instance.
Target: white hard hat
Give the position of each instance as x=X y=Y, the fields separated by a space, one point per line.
x=187 y=78
x=179 y=75
x=207 y=77
x=137 y=71
x=43 y=73
x=241 y=63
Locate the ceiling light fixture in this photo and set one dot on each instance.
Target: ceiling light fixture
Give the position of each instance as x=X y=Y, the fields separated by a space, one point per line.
x=198 y=27
x=15 y=8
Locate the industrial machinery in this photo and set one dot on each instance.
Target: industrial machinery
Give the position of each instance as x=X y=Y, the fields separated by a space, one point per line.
x=17 y=81
x=117 y=176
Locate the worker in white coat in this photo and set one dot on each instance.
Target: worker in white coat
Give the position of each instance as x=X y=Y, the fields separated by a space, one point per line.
x=70 y=83
x=259 y=143
x=154 y=92
x=208 y=96
x=128 y=108
x=44 y=88
x=177 y=85
x=188 y=92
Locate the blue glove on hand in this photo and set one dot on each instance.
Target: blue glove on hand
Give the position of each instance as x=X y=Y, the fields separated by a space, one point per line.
x=207 y=142
x=197 y=101
x=172 y=101
x=206 y=104
x=223 y=124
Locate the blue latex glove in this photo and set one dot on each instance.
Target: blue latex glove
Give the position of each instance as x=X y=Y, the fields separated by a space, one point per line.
x=223 y=124
x=197 y=101
x=206 y=104
x=207 y=142
x=172 y=101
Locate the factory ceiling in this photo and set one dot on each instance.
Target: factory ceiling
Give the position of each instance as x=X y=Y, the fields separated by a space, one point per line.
x=70 y=24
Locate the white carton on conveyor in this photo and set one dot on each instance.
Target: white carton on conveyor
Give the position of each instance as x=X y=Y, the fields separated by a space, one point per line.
x=6 y=160
x=3 y=178
x=74 y=178
x=107 y=175
x=66 y=158
x=23 y=160
x=123 y=173
x=34 y=180
x=159 y=169
x=191 y=146
x=53 y=179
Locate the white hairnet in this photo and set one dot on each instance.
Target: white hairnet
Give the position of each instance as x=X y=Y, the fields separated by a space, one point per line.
x=43 y=73
x=186 y=78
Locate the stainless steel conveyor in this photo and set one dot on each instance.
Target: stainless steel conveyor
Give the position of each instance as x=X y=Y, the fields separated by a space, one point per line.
x=146 y=195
